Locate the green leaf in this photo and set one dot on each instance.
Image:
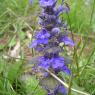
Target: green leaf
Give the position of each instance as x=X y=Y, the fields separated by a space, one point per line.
x=1 y=84
x=33 y=87
x=22 y=35
x=1 y=46
x=13 y=71
x=12 y=42
x=1 y=66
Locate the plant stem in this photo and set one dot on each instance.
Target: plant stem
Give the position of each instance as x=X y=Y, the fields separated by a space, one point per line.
x=88 y=60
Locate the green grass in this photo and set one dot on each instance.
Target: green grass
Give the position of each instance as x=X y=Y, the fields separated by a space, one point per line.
x=82 y=15
x=18 y=16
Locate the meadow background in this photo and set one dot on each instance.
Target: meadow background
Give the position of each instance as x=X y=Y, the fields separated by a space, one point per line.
x=18 y=20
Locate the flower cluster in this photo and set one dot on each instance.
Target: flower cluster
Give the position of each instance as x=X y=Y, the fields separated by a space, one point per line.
x=48 y=39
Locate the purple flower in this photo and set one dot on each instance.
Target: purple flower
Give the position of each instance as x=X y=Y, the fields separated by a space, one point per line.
x=62 y=90
x=44 y=62
x=62 y=9
x=38 y=42
x=48 y=20
x=66 y=40
x=39 y=48
x=58 y=23
x=30 y=1
x=42 y=34
x=56 y=63
x=47 y=41
x=47 y=3
x=34 y=44
x=36 y=69
x=66 y=70
x=55 y=31
x=59 y=89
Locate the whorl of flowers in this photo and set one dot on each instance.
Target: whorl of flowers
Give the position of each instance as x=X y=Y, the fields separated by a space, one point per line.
x=48 y=39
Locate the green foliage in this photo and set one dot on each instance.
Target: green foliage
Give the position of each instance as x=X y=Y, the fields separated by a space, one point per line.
x=18 y=16
x=13 y=71
x=12 y=42
x=33 y=88
x=81 y=15
x=1 y=46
